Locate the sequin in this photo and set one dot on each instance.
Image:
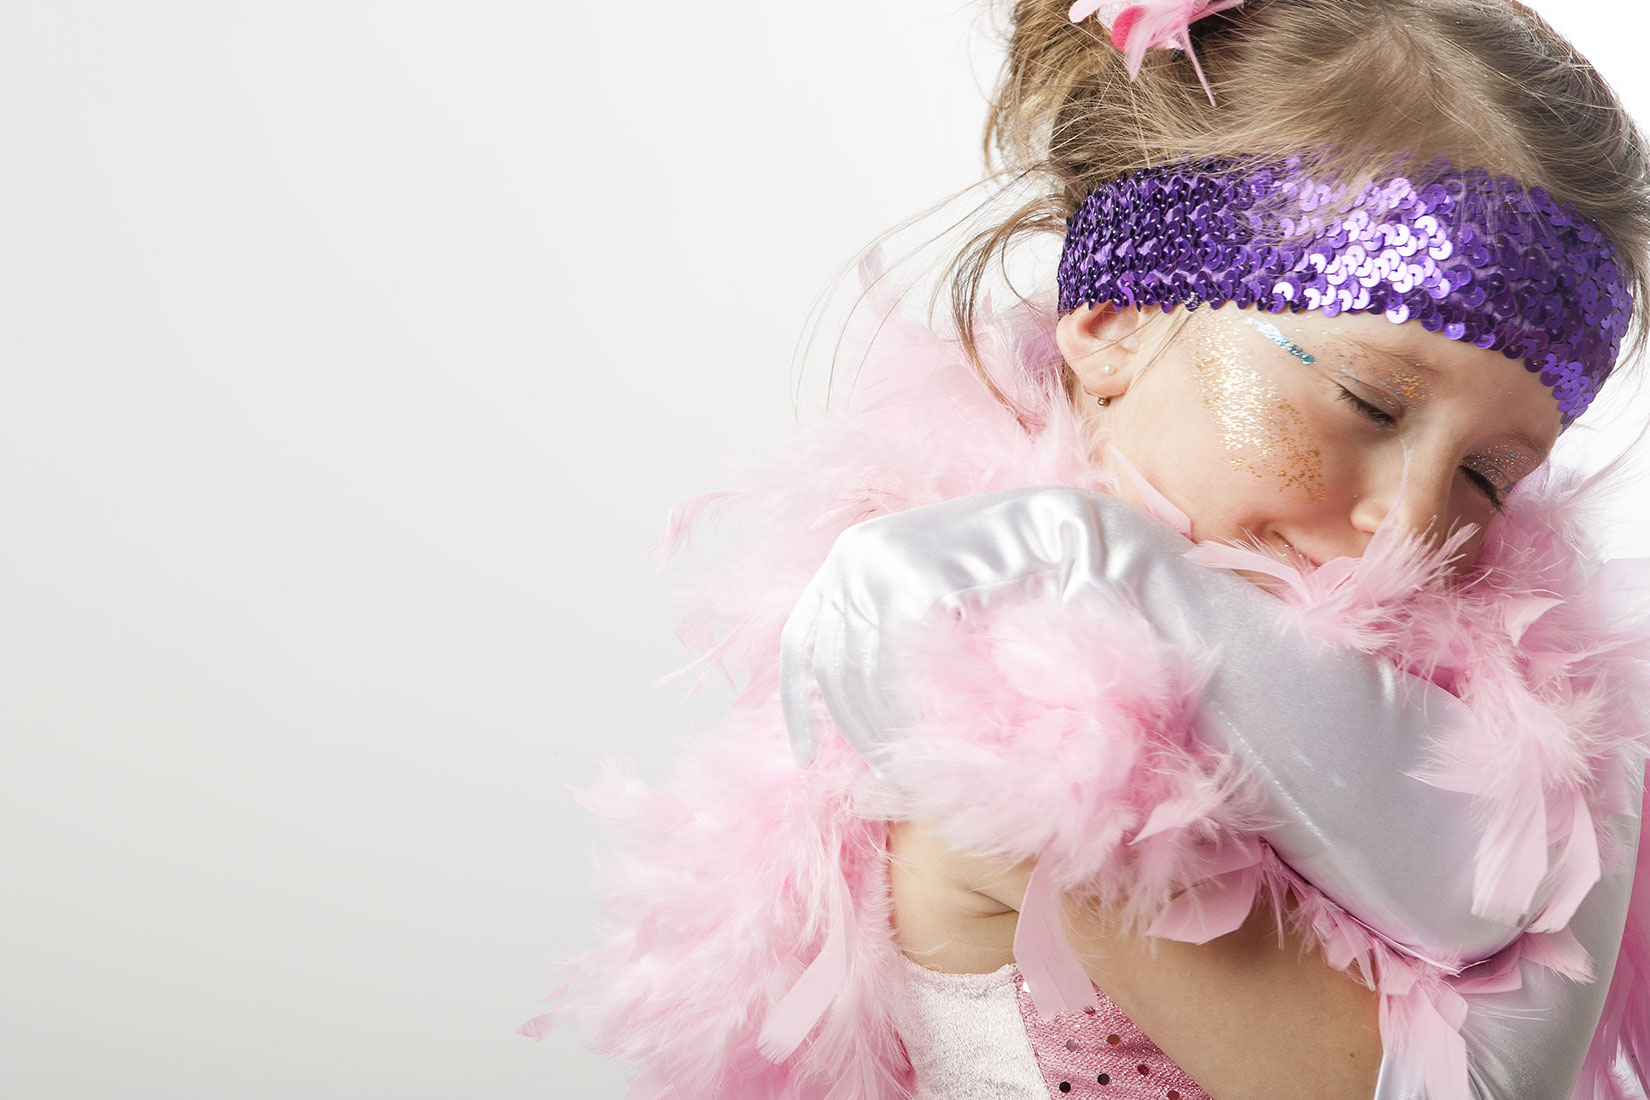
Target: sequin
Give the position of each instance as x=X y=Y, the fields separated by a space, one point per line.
x=1475 y=257
x=1274 y=334
x=1107 y=1045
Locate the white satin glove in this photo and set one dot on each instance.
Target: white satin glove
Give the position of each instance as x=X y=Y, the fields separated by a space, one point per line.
x=1330 y=738
x=1531 y=1041
x=1331 y=763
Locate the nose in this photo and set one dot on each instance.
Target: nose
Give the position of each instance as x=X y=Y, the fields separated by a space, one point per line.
x=1413 y=498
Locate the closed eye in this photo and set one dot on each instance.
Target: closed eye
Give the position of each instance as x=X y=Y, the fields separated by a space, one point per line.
x=1485 y=486
x=1365 y=409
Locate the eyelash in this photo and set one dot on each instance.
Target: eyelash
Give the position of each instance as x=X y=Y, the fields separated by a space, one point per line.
x=1378 y=415
x=1487 y=487
x=1366 y=410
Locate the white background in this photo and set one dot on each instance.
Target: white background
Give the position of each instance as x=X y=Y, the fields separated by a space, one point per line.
x=352 y=355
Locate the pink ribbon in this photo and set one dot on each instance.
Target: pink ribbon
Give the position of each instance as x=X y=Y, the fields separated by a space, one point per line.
x=1055 y=979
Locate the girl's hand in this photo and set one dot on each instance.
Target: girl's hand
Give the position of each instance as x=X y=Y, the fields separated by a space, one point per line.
x=1330 y=738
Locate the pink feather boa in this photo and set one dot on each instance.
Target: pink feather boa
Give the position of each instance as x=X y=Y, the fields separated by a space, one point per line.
x=1065 y=738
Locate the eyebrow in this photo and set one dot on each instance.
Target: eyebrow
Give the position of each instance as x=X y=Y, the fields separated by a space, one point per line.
x=1350 y=347
x=1537 y=452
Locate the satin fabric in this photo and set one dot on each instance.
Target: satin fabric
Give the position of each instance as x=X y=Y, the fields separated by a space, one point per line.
x=1530 y=1041
x=1331 y=739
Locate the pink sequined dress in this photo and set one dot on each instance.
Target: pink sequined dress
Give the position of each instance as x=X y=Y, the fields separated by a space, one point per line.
x=978 y=1037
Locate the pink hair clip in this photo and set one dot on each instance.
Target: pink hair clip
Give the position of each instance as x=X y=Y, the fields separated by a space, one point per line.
x=1159 y=24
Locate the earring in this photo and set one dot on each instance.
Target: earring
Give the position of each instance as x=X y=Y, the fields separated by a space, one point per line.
x=1108 y=369
x=1102 y=401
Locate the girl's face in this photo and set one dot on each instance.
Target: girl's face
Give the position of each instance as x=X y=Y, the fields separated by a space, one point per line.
x=1304 y=431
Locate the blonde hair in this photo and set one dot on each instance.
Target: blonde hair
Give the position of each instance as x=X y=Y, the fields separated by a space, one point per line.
x=1361 y=84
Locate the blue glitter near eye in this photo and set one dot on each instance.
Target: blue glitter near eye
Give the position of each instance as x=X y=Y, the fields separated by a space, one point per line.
x=1272 y=333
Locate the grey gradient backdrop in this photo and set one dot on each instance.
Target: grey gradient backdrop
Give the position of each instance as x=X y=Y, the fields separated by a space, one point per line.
x=352 y=355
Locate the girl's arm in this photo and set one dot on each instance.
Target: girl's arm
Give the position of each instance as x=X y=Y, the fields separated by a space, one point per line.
x=1531 y=1041
x=1333 y=779
x=1253 y=1015
x=1329 y=765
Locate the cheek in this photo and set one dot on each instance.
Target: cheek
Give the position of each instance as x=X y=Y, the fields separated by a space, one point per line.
x=1466 y=561
x=1262 y=432
x=1470 y=507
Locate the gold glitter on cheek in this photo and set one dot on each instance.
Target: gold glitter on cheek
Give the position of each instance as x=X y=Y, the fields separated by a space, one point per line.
x=1260 y=430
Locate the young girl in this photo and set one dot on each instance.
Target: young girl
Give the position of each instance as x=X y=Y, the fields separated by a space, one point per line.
x=1192 y=685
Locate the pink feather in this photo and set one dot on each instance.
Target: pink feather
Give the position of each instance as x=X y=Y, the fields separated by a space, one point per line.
x=1152 y=500
x=1623 y=1036
x=1063 y=734
x=1512 y=857
x=1210 y=909
x=1524 y=610
x=1559 y=952
x=1578 y=869
x=1154 y=24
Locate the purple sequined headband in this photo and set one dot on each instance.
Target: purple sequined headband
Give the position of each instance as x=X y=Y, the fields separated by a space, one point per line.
x=1476 y=257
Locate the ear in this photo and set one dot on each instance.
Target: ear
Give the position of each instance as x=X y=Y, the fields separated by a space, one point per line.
x=1101 y=345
